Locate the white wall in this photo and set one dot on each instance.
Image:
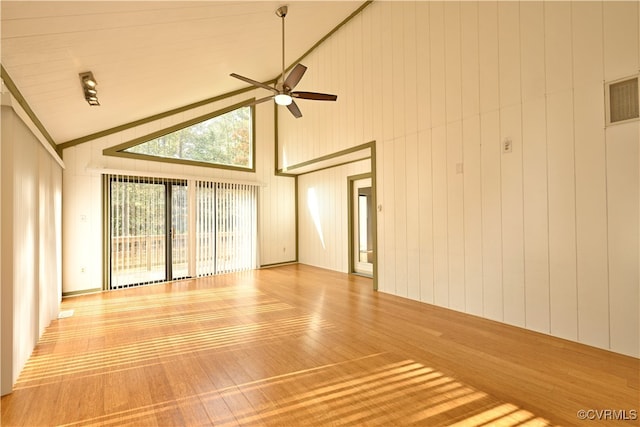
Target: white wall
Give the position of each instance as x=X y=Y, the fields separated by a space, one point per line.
x=324 y=194
x=545 y=237
x=31 y=243
x=82 y=218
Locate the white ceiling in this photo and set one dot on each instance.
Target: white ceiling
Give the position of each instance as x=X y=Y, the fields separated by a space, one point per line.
x=148 y=57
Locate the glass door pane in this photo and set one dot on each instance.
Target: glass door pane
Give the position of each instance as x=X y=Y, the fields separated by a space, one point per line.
x=138 y=230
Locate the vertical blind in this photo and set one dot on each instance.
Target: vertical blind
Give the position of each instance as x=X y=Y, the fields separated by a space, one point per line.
x=155 y=224
x=179 y=231
x=205 y=228
x=226 y=227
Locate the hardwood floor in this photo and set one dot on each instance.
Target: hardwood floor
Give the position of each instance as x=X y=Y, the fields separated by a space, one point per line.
x=297 y=345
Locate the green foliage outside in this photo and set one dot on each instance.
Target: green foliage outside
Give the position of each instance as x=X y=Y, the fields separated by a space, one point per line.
x=224 y=140
x=137 y=209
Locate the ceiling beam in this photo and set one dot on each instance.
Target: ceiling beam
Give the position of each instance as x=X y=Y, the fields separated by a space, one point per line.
x=13 y=89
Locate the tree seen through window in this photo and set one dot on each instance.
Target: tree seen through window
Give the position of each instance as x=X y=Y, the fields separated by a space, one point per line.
x=223 y=140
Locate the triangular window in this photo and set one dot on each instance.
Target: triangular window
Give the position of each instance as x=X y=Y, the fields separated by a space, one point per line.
x=220 y=139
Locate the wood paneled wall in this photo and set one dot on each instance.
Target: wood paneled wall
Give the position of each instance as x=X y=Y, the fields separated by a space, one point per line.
x=323 y=196
x=545 y=236
x=83 y=201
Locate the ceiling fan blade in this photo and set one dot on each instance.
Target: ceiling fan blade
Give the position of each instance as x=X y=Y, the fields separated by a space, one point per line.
x=293 y=107
x=314 y=96
x=294 y=76
x=253 y=82
x=261 y=100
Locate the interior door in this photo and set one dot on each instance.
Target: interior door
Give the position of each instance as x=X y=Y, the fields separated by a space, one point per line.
x=362 y=227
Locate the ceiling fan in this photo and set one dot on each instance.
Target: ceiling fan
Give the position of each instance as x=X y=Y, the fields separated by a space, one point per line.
x=283 y=92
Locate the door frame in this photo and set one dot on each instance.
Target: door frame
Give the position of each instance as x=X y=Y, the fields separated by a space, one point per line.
x=106 y=211
x=351 y=232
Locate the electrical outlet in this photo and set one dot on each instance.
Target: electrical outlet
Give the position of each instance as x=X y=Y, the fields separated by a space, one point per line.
x=459 y=168
x=507 y=145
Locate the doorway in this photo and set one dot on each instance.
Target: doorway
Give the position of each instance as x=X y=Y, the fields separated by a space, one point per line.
x=361 y=225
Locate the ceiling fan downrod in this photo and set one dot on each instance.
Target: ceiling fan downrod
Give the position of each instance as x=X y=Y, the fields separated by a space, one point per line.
x=282 y=13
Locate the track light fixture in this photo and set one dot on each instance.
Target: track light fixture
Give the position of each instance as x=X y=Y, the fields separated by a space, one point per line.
x=89 y=86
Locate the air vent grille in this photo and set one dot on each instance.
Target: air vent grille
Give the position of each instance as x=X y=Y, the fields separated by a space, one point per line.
x=623 y=100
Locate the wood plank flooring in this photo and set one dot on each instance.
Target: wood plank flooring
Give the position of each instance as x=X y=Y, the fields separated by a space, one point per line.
x=297 y=345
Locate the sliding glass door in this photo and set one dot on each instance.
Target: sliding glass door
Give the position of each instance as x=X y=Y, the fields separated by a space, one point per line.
x=160 y=230
x=148 y=231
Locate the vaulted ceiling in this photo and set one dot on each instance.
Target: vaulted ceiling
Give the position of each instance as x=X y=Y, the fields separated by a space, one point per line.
x=148 y=57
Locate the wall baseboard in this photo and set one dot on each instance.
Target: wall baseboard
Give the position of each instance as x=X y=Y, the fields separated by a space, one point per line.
x=81 y=292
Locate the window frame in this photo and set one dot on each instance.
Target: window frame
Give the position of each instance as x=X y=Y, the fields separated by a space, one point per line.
x=119 y=150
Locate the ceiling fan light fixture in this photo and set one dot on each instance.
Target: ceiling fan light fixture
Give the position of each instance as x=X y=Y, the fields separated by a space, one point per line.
x=283 y=99
x=283 y=89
